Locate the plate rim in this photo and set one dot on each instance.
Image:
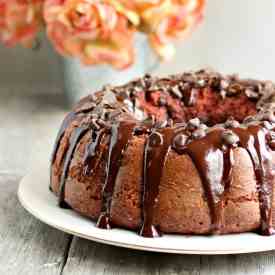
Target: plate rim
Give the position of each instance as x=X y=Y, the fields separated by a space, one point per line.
x=36 y=213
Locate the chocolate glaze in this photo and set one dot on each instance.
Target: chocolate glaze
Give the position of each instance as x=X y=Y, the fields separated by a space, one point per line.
x=156 y=150
x=75 y=138
x=70 y=117
x=66 y=122
x=211 y=150
x=214 y=163
x=91 y=157
x=121 y=133
x=253 y=139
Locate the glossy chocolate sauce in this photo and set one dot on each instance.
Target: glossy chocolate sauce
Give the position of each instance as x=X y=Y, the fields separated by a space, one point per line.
x=213 y=161
x=75 y=138
x=121 y=134
x=66 y=122
x=156 y=150
x=254 y=140
x=91 y=156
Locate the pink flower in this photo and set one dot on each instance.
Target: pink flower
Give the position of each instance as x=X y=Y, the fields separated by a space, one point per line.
x=95 y=31
x=20 y=20
x=164 y=20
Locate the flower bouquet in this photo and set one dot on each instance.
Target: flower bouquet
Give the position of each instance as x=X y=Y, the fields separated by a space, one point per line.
x=101 y=32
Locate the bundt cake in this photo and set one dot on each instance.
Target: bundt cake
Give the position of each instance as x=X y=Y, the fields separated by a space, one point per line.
x=190 y=154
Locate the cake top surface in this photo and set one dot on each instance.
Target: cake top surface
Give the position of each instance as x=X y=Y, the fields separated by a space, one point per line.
x=182 y=97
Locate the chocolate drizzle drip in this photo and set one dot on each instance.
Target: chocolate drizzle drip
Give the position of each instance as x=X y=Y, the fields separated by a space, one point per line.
x=76 y=136
x=156 y=150
x=214 y=163
x=66 y=122
x=91 y=158
x=253 y=139
x=121 y=133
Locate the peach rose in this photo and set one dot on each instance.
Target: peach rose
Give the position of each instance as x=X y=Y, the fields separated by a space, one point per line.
x=95 y=31
x=20 y=21
x=165 y=20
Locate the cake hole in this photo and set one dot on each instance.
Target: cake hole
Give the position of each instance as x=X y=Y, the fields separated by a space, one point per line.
x=210 y=107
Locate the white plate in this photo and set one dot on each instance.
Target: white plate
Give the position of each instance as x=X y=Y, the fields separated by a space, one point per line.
x=35 y=196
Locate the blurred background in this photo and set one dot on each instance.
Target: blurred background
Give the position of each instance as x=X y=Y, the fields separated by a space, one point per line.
x=236 y=36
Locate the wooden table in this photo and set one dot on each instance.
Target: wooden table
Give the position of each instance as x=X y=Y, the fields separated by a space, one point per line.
x=28 y=246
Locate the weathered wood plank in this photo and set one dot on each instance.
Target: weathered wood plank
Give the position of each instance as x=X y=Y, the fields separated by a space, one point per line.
x=91 y=258
x=24 y=121
x=27 y=246
x=254 y=263
x=87 y=257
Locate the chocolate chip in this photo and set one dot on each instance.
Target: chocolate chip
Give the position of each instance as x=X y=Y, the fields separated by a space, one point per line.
x=183 y=86
x=199 y=133
x=234 y=89
x=223 y=94
x=201 y=83
x=180 y=141
x=230 y=138
x=193 y=97
x=176 y=92
x=203 y=127
x=147 y=81
x=122 y=96
x=250 y=93
x=194 y=123
x=155 y=139
x=224 y=84
x=170 y=122
x=231 y=123
x=215 y=83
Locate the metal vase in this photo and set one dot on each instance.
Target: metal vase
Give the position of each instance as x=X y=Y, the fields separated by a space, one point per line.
x=81 y=80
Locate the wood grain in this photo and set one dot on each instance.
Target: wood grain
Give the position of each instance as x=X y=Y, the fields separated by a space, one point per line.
x=85 y=257
x=26 y=245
